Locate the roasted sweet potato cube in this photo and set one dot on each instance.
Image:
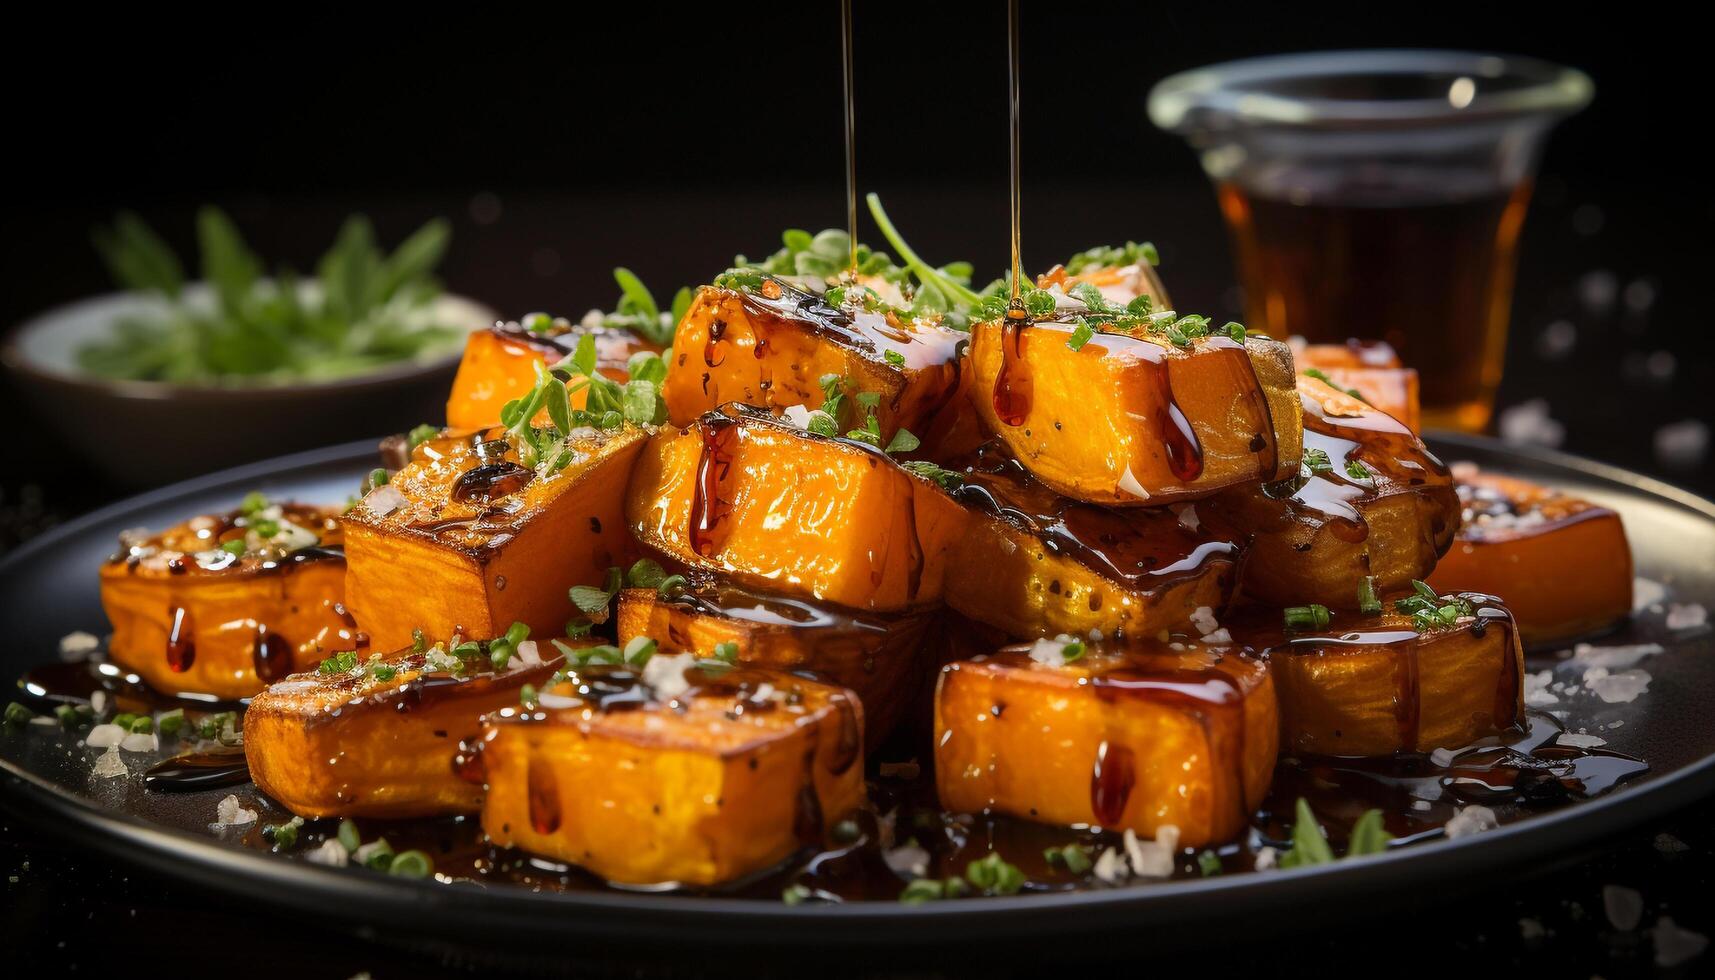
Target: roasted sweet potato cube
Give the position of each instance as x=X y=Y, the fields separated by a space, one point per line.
x=763 y=503
x=1519 y=541
x=1128 y=420
x=770 y=347
x=225 y=603
x=1372 y=502
x=1034 y=563
x=880 y=658
x=675 y=772
x=1119 y=283
x=1367 y=369
x=1377 y=685
x=380 y=737
x=499 y=364
x=468 y=540
x=1124 y=737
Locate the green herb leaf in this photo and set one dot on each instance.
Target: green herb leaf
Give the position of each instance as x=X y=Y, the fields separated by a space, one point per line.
x=1309 y=844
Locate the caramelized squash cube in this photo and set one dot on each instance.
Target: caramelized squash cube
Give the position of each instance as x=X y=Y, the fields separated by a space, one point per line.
x=1118 y=283
x=467 y=540
x=1372 y=502
x=1124 y=738
x=1128 y=420
x=1034 y=563
x=771 y=347
x=880 y=658
x=380 y=739
x=192 y=617
x=765 y=504
x=1378 y=685
x=673 y=773
x=1519 y=541
x=499 y=364
x=1369 y=369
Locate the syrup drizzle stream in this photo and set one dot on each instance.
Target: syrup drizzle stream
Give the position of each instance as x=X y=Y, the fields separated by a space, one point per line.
x=851 y=136
x=707 y=507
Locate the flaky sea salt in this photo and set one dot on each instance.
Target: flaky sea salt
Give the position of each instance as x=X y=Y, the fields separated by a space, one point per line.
x=1621 y=688
x=1471 y=820
x=1536 y=692
x=332 y=853
x=1579 y=740
x=1689 y=616
x=1674 y=945
x=1624 y=906
x=1153 y=858
x=231 y=813
x=665 y=674
x=110 y=764
x=907 y=859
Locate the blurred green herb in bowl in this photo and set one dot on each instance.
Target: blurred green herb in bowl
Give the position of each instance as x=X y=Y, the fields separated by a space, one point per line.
x=364 y=310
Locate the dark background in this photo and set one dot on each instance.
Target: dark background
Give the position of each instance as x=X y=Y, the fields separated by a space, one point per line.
x=565 y=141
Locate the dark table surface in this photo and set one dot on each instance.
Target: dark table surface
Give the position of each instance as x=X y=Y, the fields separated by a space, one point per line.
x=1606 y=332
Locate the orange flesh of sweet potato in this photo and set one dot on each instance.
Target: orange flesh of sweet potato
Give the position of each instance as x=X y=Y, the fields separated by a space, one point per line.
x=191 y=618
x=771 y=348
x=1124 y=738
x=765 y=504
x=673 y=773
x=466 y=540
x=1375 y=685
x=1034 y=563
x=353 y=745
x=881 y=659
x=499 y=364
x=1133 y=420
x=1519 y=541
x=1318 y=542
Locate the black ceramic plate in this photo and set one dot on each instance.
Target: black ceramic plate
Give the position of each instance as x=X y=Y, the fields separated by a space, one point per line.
x=47 y=589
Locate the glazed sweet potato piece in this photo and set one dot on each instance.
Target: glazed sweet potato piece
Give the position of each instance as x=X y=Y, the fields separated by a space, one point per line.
x=1381 y=684
x=1119 y=283
x=880 y=658
x=673 y=773
x=1128 y=420
x=380 y=737
x=466 y=539
x=224 y=604
x=499 y=364
x=771 y=346
x=1034 y=563
x=1125 y=738
x=1372 y=502
x=1368 y=369
x=1519 y=541
x=763 y=503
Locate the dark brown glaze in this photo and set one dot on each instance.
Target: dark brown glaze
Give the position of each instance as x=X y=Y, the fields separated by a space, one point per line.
x=193 y=548
x=1012 y=385
x=707 y=508
x=1140 y=549
x=181 y=641
x=1390 y=451
x=924 y=344
x=196 y=771
x=614 y=346
x=272 y=655
x=491 y=481
x=543 y=792
x=49 y=685
x=1111 y=781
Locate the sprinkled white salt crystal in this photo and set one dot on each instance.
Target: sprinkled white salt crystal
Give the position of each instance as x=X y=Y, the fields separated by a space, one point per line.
x=1614 y=657
x=76 y=646
x=1203 y=619
x=1579 y=740
x=140 y=742
x=1674 y=945
x=1668 y=844
x=102 y=736
x=1266 y=858
x=1050 y=652
x=1129 y=484
x=1154 y=858
x=110 y=764
x=1471 y=820
x=332 y=853
x=798 y=415
x=1218 y=637
x=528 y=654
x=1624 y=906
x=230 y=813
x=1646 y=593
x=1686 y=617
x=384 y=500
x=1536 y=692
x=1109 y=867
x=665 y=674
x=1187 y=514
x=98 y=702
x=907 y=859
x=1621 y=688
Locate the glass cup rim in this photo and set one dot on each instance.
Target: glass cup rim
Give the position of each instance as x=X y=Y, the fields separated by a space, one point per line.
x=1230 y=91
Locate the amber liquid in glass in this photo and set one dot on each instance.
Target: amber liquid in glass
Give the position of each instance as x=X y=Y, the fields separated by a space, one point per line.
x=1432 y=277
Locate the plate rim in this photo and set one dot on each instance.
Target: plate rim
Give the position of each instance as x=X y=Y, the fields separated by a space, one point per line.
x=624 y=915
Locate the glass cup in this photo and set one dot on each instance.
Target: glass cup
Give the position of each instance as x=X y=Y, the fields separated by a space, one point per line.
x=1379 y=194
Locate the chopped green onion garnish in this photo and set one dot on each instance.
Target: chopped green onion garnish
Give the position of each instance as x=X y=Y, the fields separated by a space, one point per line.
x=1368 y=603
x=348 y=836
x=411 y=864
x=1309 y=617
